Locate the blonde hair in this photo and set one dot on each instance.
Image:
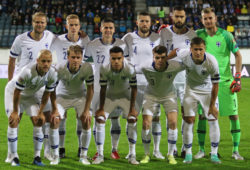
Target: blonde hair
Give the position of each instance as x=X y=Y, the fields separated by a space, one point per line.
x=207 y=10
x=38 y=14
x=72 y=16
x=44 y=52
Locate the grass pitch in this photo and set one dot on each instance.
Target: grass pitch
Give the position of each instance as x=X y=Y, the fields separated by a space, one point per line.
x=25 y=143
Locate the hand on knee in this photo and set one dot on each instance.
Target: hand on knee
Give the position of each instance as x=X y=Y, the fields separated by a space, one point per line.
x=38 y=120
x=14 y=120
x=100 y=119
x=189 y=119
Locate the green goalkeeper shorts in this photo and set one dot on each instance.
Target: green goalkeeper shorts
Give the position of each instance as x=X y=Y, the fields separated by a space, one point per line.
x=228 y=103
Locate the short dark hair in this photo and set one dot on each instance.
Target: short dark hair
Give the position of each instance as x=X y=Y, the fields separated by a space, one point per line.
x=179 y=8
x=197 y=41
x=108 y=19
x=116 y=49
x=159 y=49
x=143 y=13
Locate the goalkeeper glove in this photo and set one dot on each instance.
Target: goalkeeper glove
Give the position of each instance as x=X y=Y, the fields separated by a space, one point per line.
x=236 y=84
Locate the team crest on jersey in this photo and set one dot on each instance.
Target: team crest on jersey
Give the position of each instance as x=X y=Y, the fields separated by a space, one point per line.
x=47 y=45
x=123 y=77
x=203 y=72
x=152 y=44
x=169 y=76
x=98 y=51
x=218 y=43
x=187 y=41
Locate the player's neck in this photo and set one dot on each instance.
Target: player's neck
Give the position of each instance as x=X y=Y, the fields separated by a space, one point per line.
x=36 y=36
x=40 y=72
x=212 y=31
x=107 y=40
x=143 y=35
x=73 y=37
x=180 y=31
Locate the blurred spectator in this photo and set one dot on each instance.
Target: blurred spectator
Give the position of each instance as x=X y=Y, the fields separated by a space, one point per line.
x=238 y=34
x=96 y=29
x=58 y=19
x=206 y=5
x=129 y=14
x=122 y=28
x=196 y=26
x=230 y=27
x=97 y=19
x=234 y=19
x=237 y=9
x=161 y=12
x=248 y=7
x=90 y=16
x=57 y=29
x=244 y=10
x=224 y=9
x=52 y=20
x=222 y=23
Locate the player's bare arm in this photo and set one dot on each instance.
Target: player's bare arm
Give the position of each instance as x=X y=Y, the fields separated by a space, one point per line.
x=100 y=111
x=212 y=109
x=132 y=111
x=172 y=54
x=54 y=114
x=14 y=118
x=236 y=84
x=86 y=118
x=40 y=118
x=11 y=67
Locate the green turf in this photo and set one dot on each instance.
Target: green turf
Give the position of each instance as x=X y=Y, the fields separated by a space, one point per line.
x=25 y=144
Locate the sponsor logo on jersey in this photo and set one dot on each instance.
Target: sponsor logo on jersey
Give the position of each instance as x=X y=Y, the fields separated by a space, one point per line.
x=203 y=72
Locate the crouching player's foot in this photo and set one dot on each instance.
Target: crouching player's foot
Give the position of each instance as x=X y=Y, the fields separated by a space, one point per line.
x=188 y=159
x=145 y=159
x=115 y=155
x=99 y=159
x=84 y=160
x=215 y=159
x=15 y=162
x=199 y=155
x=171 y=160
x=158 y=155
x=62 y=152
x=132 y=160
x=55 y=160
x=237 y=156
x=37 y=161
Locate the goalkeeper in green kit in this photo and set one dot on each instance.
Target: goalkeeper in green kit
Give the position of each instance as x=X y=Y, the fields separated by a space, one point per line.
x=220 y=43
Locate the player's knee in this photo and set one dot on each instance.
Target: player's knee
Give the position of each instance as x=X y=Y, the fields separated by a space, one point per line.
x=146 y=124
x=156 y=119
x=86 y=124
x=55 y=124
x=132 y=119
x=189 y=119
x=100 y=119
x=233 y=117
x=172 y=124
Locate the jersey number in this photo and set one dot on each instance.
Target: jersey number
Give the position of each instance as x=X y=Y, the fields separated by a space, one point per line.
x=65 y=55
x=100 y=59
x=30 y=55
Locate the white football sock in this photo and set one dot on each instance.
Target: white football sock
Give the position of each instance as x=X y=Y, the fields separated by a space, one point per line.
x=54 y=141
x=214 y=133
x=12 y=141
x=156 y=132
x=115 y=132
x=132 y=137
x=46 y=140
x=62 y=132
x=172 y=138
x=38 y=140
x=188 y=137
x=86 y=136
x=79 y=132
x=100 y=137
x=146 y=140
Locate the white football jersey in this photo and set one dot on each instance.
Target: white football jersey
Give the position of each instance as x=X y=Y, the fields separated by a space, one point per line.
x=30 y=82
x=99 y=52
x=25 y=49
x=171 y=41
x=160 y=84
x=140 y=50
x=72 y=85
x=200 y=77
x=118 y=84
x=62 y=43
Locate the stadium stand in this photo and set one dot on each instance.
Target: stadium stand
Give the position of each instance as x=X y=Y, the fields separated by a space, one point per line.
x=15 y=16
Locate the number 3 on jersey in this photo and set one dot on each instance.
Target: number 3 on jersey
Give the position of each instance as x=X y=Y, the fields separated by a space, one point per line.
x=100 y=59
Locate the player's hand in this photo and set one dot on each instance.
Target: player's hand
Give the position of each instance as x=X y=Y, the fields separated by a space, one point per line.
x=86 y=119
x=133 y=113
x=100 y=113
x=54 y=117
x=82 y=34
x=39 y=120
x=14 y=119
x=213 y=110
x=236 y=84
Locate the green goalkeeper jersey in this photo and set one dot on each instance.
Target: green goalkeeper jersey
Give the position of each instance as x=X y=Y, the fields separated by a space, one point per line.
x=220 y=45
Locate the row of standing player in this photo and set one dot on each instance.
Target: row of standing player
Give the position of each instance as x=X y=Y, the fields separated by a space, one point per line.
x=132 y=41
